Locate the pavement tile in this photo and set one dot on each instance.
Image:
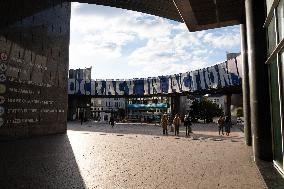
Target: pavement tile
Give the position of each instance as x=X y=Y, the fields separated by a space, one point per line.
x=136 y=156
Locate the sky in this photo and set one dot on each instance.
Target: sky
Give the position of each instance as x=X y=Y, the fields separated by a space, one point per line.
x=123 y=44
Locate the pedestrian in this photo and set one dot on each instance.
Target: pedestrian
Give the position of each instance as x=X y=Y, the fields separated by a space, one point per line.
x=164 y=124
x=142 y=119
x=81 y=116
x=111 y=121
x=227 y=125
x=187 y=124
x=221 y=125
x=177 y=123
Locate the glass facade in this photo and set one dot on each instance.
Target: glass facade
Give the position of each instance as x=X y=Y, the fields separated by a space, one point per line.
x=280 y=15
x=275 y=112
x=268 y=5
x=275 y=35
x=281 y=67
x=272 y=36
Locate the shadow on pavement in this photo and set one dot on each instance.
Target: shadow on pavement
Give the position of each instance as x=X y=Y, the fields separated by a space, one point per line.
x=199 y=130
x=271 y=177
x=46 y=162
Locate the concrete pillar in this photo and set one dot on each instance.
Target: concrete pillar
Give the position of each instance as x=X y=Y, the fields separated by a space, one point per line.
x=258 y=80
x=245 y=86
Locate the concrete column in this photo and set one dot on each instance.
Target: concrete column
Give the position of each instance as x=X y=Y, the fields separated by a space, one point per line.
x=245 y=86
x=258 y=80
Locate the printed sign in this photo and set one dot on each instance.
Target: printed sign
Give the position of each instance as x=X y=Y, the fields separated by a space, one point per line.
x=222 y=75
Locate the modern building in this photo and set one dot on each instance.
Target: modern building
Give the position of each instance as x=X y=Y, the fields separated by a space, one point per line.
x=34 y=44
x=185 y=103
x=147 y=109
x=103 y=108
x=266 y=48
x=218 y=99
x=232 y=55
x=77 y=104
x=80 y=73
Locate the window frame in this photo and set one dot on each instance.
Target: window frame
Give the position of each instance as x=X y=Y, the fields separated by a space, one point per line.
x=275 y=58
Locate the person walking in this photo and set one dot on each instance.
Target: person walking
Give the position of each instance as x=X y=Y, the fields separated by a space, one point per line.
x=81 y=116
x=164 y=124
x=227 y=125
x=187 y=124
x=221 y=125
x=111 y=121
x=177 y=123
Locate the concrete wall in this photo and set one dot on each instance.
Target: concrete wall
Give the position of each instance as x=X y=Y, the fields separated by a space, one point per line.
x=34 y=68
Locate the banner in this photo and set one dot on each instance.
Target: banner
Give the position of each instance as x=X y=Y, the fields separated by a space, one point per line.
x=225 y=74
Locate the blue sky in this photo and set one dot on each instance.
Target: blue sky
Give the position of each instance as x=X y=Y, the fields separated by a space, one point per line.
x=119 y=44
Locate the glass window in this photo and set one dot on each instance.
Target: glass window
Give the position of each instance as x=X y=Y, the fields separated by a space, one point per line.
x=268 y=5
x=275 y=112
x=280 y=17
x=271 y=36
x=281 y=65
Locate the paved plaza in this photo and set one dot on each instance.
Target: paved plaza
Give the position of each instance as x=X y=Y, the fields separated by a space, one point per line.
x=95 y=155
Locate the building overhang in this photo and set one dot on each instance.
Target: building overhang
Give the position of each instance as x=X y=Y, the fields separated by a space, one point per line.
x=197 y=14
x=208 y=14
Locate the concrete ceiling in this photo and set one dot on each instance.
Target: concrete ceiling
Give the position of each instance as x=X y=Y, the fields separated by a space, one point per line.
x=209 y=14
x=197 y=14
x=162 y=8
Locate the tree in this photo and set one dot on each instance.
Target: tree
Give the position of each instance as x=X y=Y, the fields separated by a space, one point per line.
x=194 y=111
x=205 y=109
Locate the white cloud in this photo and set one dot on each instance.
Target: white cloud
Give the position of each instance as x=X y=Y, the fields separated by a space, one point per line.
x=223 y=40
x=101 y=35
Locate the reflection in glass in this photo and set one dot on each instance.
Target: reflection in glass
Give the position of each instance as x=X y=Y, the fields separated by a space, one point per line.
x=268 y=5
x=271 y=36
x=280 y=17
x=275 y=113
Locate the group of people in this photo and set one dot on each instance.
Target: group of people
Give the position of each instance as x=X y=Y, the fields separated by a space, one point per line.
x=224 y=122
x=176 y=124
